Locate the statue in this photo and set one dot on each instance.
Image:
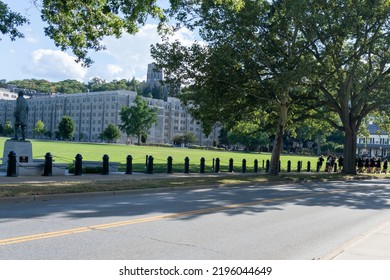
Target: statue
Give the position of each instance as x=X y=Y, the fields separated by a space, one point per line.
x=21 y=114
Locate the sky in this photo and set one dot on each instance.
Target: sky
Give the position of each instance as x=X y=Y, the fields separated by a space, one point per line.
x=36 y=56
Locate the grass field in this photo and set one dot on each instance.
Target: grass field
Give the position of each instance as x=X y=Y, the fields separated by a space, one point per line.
x=65 y=152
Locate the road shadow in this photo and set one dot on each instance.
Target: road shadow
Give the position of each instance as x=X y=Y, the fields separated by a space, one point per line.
x=248 y=200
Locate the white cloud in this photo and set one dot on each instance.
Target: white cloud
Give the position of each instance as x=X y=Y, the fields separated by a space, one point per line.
x=124 y=58
x=114 y=69
x=30 y=37
x=131 y=53
x=54 y=64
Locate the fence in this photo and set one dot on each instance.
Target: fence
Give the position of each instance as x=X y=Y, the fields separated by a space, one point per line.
x=152 y=165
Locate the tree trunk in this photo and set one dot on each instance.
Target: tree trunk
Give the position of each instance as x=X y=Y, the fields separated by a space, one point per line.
x=319 y=138
x=278 y=144
x=350 y=150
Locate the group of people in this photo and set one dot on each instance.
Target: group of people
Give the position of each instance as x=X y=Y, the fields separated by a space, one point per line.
x=330 y=163
x=371 y=165
x=363 y=164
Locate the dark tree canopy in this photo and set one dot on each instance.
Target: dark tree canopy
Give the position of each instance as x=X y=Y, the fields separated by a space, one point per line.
x=138 y=119
x=10 y=21
x=66 y=128
x=285 y=57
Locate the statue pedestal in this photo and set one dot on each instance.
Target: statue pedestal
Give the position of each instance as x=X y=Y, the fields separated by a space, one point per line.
x=23 y=150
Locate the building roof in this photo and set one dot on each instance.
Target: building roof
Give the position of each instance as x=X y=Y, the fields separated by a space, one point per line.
x=374 y=129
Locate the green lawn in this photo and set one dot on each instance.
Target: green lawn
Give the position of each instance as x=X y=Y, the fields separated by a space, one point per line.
x=65 y=152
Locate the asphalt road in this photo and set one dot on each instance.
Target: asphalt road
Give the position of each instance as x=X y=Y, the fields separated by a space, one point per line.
x=282 y=222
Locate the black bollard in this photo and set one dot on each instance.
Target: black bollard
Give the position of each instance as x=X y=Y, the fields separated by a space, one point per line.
x=48 y=166
x=243 y=169
x=289 y=166
x=308 y=166
x=106 y=165
x=78 y=165
x=217 y=165
x=150 y=165
x=169 y=165
x=256 y=166
x=231 y=165
x=146 y=161
x=129 y=164
x=267 y=166
x=213 y=163
x=202 y=165
x=11 y=164
x=187 y=165
x=299 y=166
x=318 y=166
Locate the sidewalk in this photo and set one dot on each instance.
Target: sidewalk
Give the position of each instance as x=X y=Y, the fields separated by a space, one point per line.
x=372 y=245
x=97 y=177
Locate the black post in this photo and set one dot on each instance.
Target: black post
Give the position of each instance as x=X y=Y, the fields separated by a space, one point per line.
x=169 y=165
x=202 y=165
x=150 y=165
x=48 y=166
x=146 y=161
x=231 y=165
x=244 y=166
x=187 y=165
x=335 y=167
x=213 y=163
x=308 y=166
x=129 y=164
x=267 y=166
x=318 y=166
x=78 y=165
x=299 y=166
x=289 y=166
x=106 y=165
x=256 y=166
x=217 y=165
x=11 y=166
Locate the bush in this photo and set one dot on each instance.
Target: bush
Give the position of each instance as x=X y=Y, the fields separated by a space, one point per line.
x=155 y=145
x=88 y=169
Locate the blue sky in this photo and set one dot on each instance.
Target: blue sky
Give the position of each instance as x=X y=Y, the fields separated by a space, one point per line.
x=36 y=56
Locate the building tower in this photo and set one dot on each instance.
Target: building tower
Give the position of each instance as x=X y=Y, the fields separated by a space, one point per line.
x=154 y=76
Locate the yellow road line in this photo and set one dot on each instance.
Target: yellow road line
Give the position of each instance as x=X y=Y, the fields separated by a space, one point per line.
x=53 y=234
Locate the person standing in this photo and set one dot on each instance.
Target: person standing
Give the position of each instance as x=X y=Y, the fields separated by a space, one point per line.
x=385 y=163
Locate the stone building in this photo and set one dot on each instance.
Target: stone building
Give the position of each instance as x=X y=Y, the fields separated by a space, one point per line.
x=93 y=111
x=7 y=95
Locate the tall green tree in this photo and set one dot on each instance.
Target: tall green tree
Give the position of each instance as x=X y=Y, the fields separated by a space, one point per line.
x=111 y=133
x=137 y=119
x=249 y=135
x=289 y=56
x=39 y=128
x=185 y=138
x=256 y=60
x=350 y=43
x=8 y=129
x=66 y=128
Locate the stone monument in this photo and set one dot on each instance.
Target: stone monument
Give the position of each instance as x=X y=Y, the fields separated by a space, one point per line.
x=19 y=145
